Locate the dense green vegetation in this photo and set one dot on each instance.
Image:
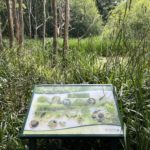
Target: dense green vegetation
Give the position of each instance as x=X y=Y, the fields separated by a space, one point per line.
x=120 y=56
x=85 y=19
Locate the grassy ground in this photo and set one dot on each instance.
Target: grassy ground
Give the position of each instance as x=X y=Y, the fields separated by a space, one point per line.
x=88 y=61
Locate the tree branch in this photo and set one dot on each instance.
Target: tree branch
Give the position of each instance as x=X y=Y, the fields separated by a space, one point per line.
x=94 y=20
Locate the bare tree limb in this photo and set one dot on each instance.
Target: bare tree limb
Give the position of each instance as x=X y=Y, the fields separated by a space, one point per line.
x=5 y=25
x=94 y=20
x=39 y=26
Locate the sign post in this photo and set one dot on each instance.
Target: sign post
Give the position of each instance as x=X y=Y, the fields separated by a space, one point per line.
x=68 y=111
x=32 y=144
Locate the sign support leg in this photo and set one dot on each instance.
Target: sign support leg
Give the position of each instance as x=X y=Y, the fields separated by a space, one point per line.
x=32 y=144
x=114 y=144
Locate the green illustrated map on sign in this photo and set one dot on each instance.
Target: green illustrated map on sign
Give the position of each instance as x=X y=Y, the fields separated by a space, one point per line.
x=73 y=110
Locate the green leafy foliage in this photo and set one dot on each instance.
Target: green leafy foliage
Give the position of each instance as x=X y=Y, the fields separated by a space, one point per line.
x=120 y=57
x=85 y=18
x=105 y=7
x=129 y=74
x=132 y=21
x=2 y=5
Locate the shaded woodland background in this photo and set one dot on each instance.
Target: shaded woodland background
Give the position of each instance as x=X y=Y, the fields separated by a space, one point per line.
x=75 y=41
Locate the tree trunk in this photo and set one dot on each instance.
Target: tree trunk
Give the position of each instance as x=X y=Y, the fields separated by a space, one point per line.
x=29 y=17
x=11 y=23
x=21 y=27
x=54 y=4
x=44 y=22
x=16 y=23
x=60 y=19
x=1 y=44
x=66 y=29
x=35 y=19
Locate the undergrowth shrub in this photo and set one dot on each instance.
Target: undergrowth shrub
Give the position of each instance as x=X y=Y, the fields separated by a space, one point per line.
x=130 y=75
x=121 y=60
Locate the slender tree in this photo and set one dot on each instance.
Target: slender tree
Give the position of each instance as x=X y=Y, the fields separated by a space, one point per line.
x=29 y=17
x=21 y=22
x=44 y=22
x=16 y=21
x=61 y=18
x=66 y=28
x=54 y=7
x=1 y=44
x=11 y=23
x=35 y=20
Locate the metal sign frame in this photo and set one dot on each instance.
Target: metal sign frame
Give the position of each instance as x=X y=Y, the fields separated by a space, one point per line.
x=35 y=136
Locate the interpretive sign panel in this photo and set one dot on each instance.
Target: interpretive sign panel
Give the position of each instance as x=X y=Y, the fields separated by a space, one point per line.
x=73 y=110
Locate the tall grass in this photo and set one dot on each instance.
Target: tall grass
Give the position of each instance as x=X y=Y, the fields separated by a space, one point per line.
x=129 y=73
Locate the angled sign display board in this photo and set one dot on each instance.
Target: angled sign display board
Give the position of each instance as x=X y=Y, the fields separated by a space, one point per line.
x=72 y=111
